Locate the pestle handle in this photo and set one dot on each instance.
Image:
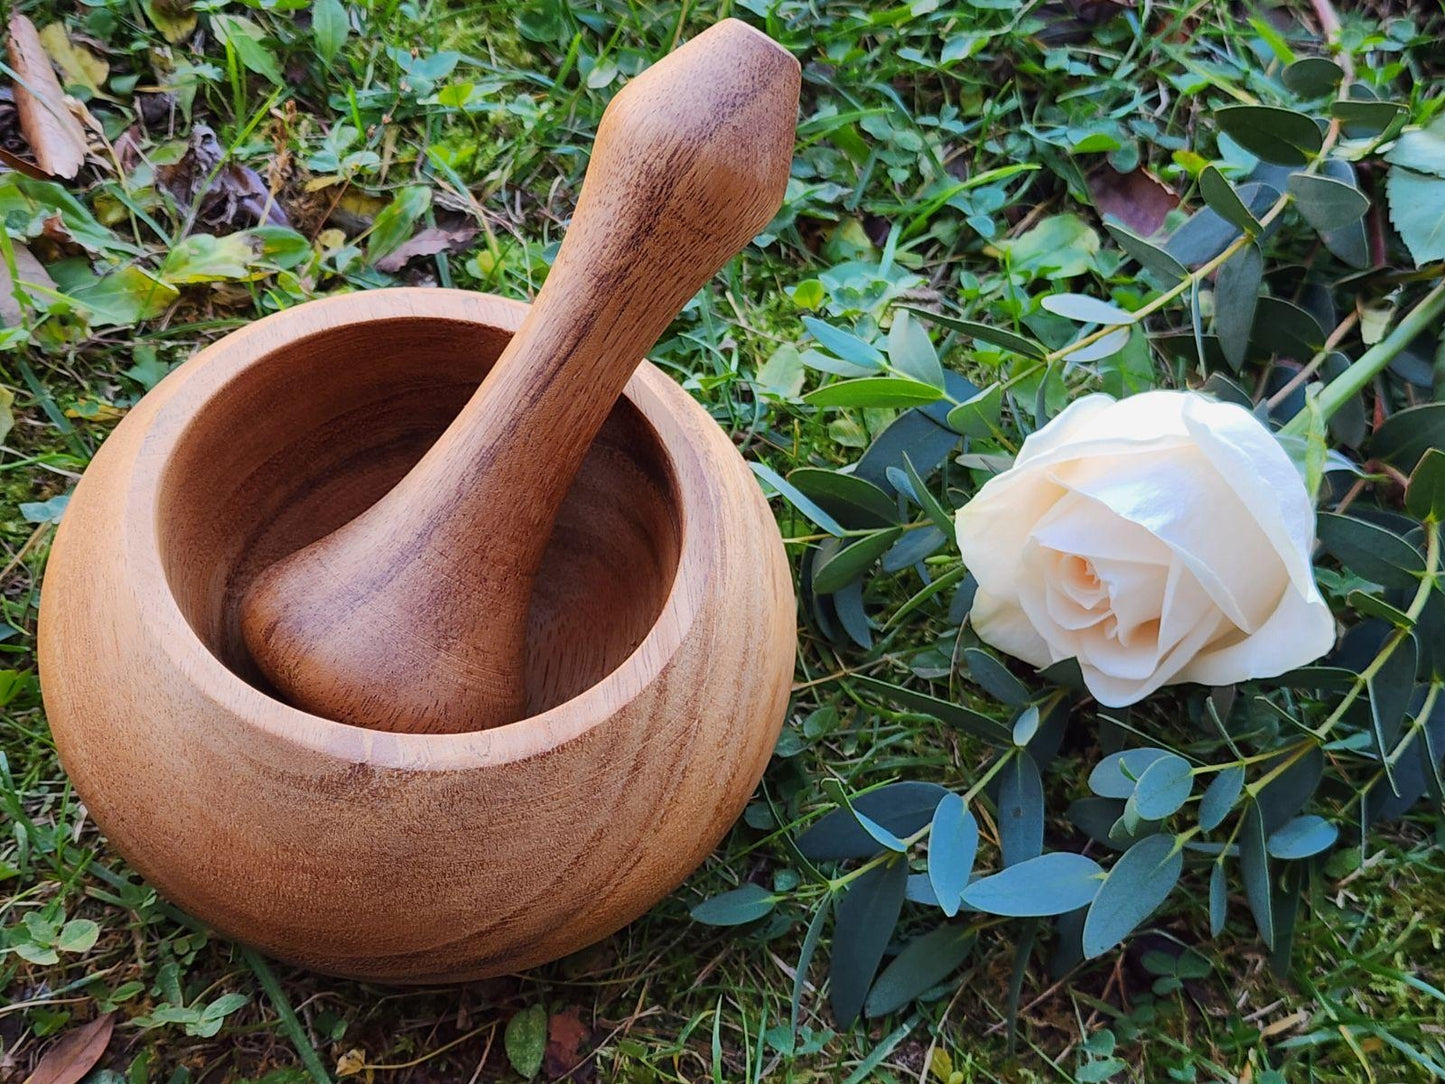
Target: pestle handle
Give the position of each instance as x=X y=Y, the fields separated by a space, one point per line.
x=413 y=616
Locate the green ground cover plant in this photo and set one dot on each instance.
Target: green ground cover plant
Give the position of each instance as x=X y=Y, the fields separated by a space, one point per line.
x=996 y=208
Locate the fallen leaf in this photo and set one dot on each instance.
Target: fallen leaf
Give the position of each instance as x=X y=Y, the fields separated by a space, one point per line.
x=175 y=19
x=565 y=1035
x=78 y=64
x=55 y=135
x=428 y=242
x=1139 y=199
x=229 y=193
x=30 y=270
x=75 y=1054
x=352 y=1062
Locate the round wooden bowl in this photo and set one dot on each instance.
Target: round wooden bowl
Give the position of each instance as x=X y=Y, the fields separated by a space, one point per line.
x=660 y=652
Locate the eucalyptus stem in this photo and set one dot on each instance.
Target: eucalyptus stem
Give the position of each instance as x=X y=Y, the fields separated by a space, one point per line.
x=922 y=833
x=1352 y=381
x=1417 y=606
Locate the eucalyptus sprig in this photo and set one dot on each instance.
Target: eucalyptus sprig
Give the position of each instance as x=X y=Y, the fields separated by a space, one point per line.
x=1211 y=787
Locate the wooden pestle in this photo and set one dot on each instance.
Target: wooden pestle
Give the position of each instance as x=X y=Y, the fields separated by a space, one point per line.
x=413 y=616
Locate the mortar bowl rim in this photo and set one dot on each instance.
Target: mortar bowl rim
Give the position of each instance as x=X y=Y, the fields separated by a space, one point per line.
x=680 y=425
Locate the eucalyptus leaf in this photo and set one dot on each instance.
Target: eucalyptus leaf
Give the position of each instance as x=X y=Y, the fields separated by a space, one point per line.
x=1133 y=889
x=921 y=433
x=979 y=415
x=1302 y=837
x=1086 y=310
x=867 y=913
x=1047 y=884
x=1366 y=119
x=735 y=908
x=902 y=808
x=1220 y=195
x=797 y=498
x=935 y=511
x=1375 y=552
x=1009 y=340
x=805 y=957
x=853 y=560
x=853 y=501
x=911 y=352
x=874 y=391
x=1283 y=136
x=923 y=964
x=1095 y=816
x=1163 y=787
x=1149 y=255
x=1106 y=346
x=1118 y=773
x=1236 y=294
x=1218 y=899
x=1406 y=435
x=994 y=677
x=1258 y=879
x=1282 y=327
x=1425 y=495
x=1286 y=794
x=1220 y=796
x=952 y=848
x=955 y=715
x=913 y=547
x=1204 y=235
x=1389 y=689
x=1367 y=605
x=844 y=345
x=1327 y=204
x=1020 y=809
x=1313 y=76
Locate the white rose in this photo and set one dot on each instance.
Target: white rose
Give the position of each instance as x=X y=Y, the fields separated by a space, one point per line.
x=1162 y=538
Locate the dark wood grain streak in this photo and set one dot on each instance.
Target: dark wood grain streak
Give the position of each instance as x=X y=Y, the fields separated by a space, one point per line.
x=413 y=616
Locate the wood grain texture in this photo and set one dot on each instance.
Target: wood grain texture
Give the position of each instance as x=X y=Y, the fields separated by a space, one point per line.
x=413 y=616
x=662 y=639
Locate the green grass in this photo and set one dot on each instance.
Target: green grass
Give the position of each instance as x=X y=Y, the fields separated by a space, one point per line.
x=920 y=127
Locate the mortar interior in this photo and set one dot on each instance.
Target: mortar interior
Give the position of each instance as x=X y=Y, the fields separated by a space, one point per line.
x=307 y=436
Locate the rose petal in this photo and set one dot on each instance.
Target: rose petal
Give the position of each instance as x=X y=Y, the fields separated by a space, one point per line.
x=1252 y=463
x=1089 y=528
x=1001 y=624
x=1300 y=630
x=993 y=527
x=1117 y=692
x=1177 y=497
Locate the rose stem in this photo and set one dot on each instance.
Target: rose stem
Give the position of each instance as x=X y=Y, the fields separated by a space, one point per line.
x=1350 y=382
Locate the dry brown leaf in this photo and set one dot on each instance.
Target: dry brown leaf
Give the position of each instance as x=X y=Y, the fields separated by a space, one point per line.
x=78 y=64
x=229 y=194
x=54 y=134
x=30 y=270
x=565 y=1035
x=1138 y=199
x=427 y=242
x=75 y=1054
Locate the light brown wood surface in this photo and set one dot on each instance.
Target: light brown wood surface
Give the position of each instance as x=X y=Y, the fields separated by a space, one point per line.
x=661 y=632
x=413 y=616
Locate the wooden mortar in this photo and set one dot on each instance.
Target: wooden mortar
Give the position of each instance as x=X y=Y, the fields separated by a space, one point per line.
x=661 y=641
